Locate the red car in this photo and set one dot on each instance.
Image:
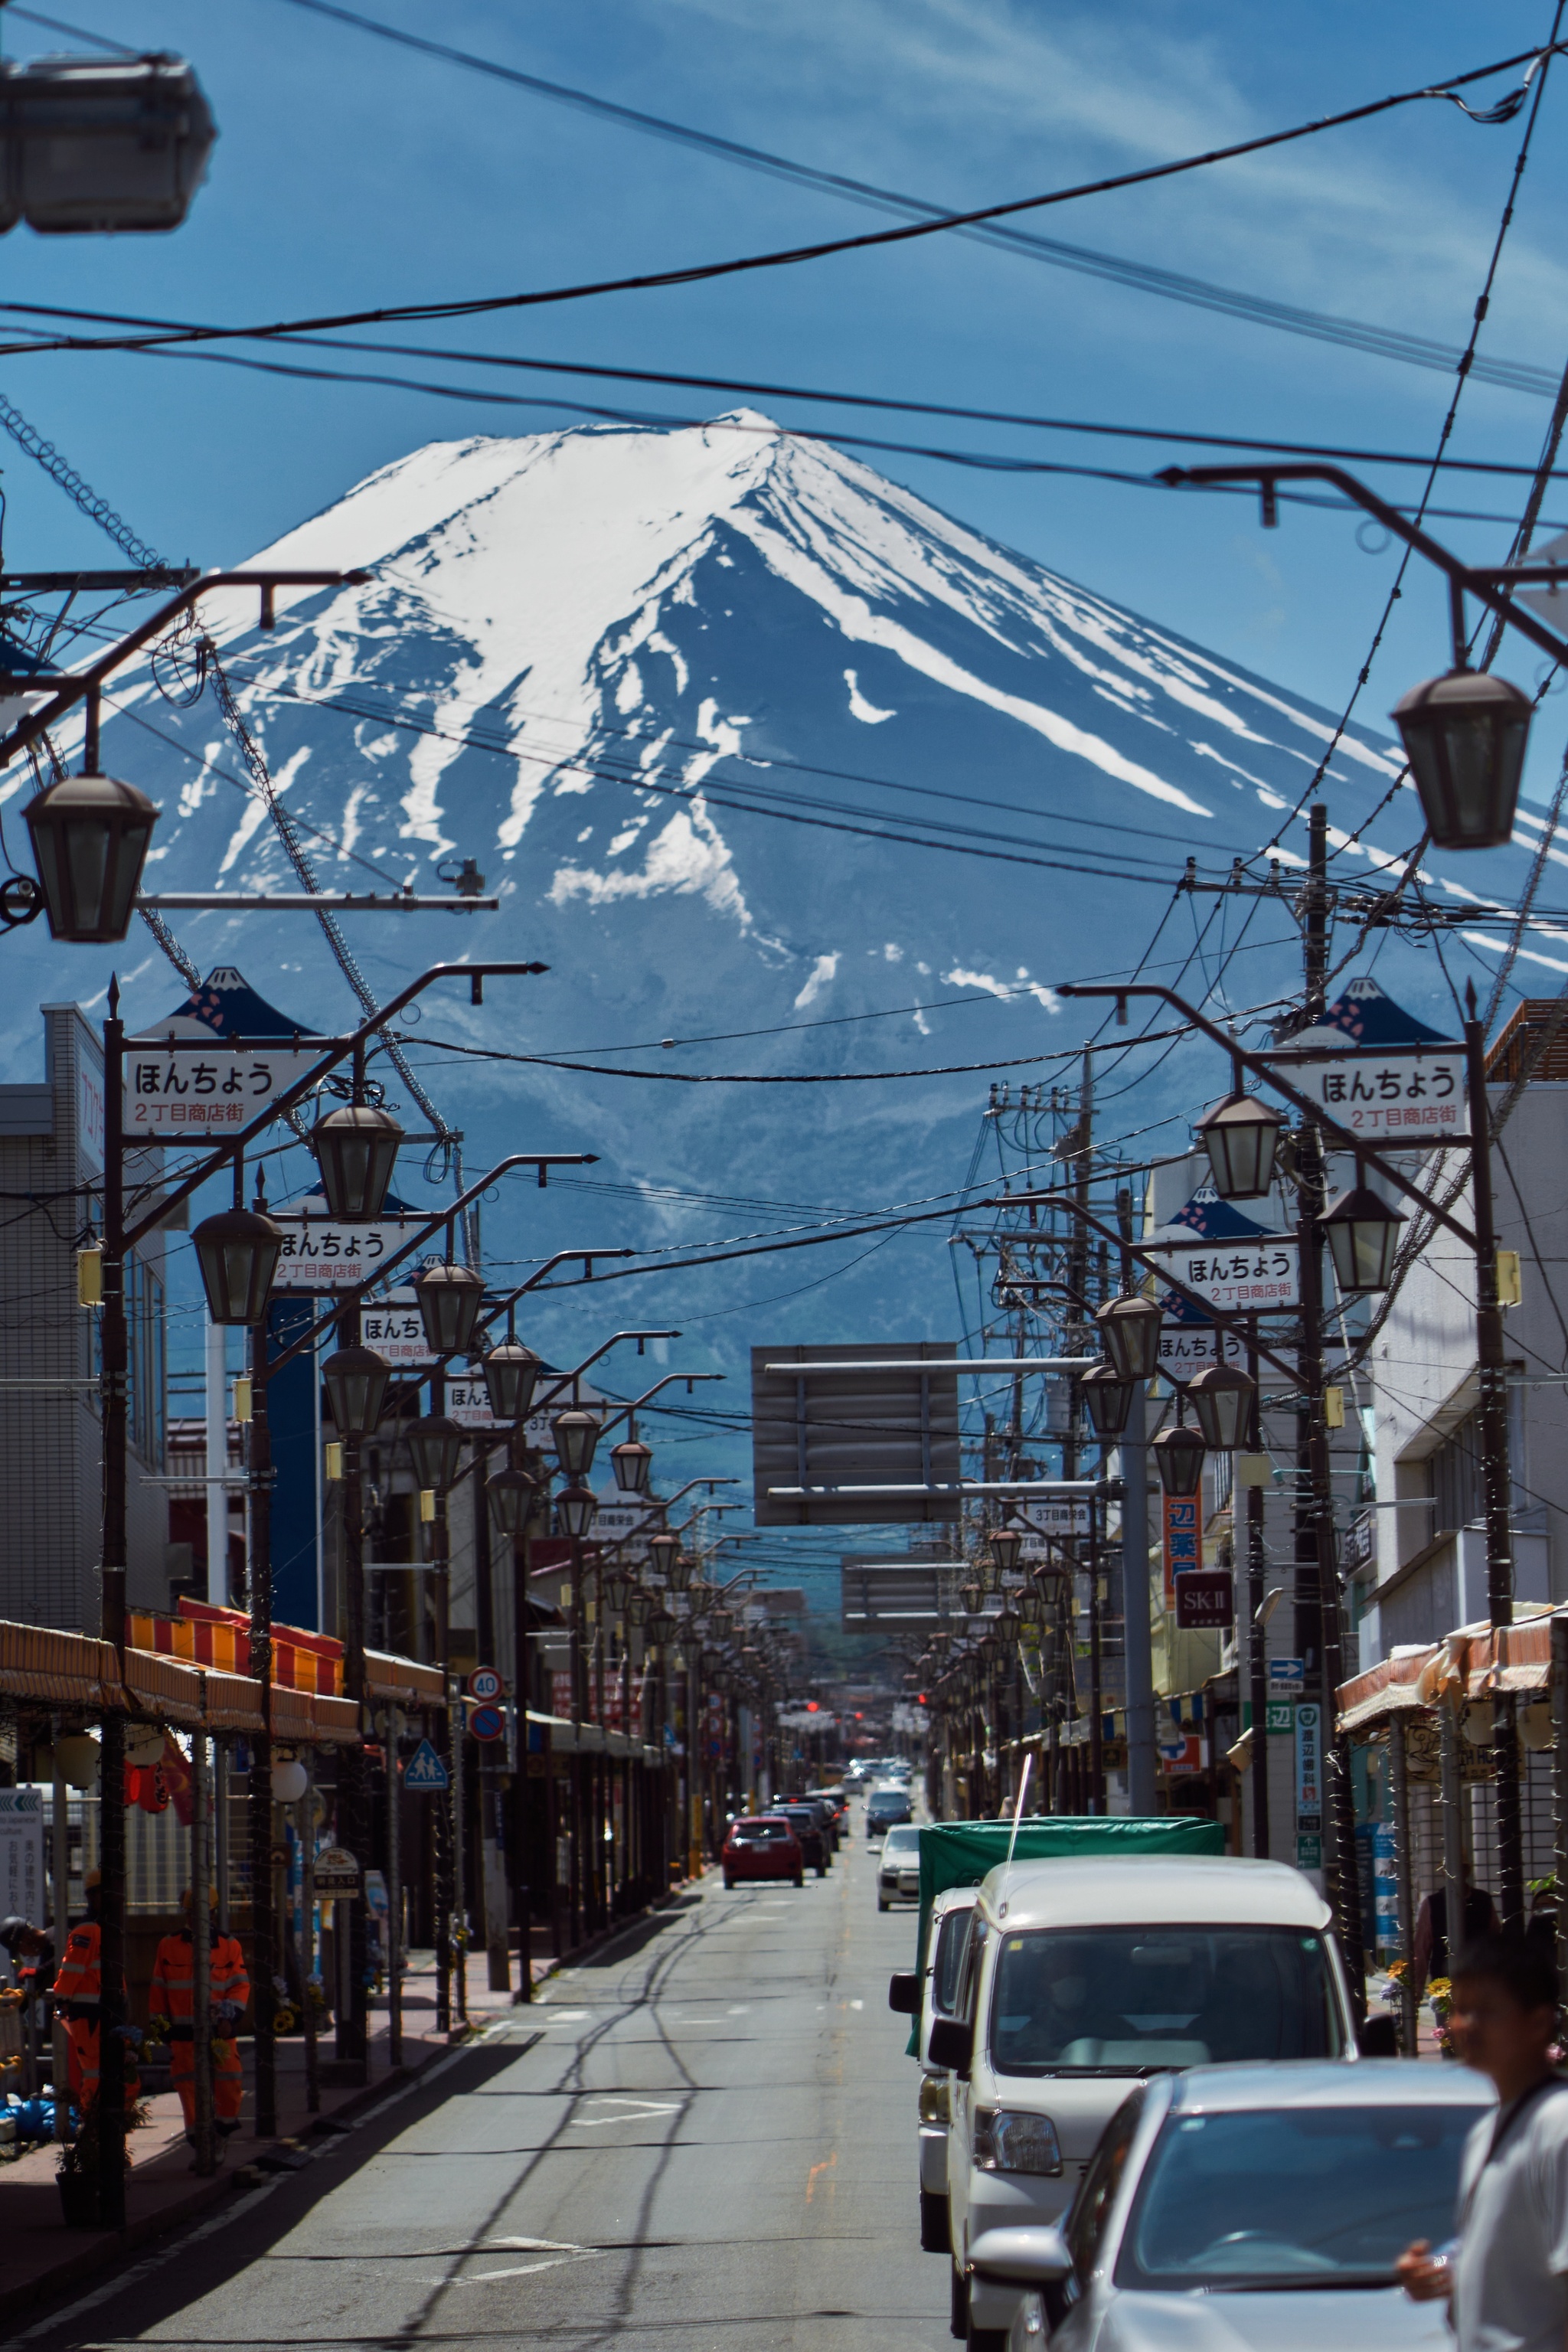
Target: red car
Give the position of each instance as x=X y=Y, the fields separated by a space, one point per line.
x=762 y=1846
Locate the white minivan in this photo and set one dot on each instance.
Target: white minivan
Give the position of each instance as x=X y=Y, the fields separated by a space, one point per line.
x=1080 y=1978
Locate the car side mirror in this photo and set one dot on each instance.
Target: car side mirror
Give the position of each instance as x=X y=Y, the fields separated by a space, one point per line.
x=1379 y=2037
x=1025 y=2256
x=904 y=1992
x=952 y=2044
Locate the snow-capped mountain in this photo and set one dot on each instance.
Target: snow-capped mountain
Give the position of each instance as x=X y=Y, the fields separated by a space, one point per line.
x=674 y=692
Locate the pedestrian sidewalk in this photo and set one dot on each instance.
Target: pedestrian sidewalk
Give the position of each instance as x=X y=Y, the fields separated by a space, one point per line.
x=38 y=2254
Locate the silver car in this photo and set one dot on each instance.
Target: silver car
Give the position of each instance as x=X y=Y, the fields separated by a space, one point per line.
x=898 y=1866
x=1257 y=2208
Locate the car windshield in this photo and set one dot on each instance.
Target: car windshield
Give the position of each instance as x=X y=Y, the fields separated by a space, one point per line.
x=754 y=1832
x=1306 y=2197
x=904 y=1839
x=1132 y=2000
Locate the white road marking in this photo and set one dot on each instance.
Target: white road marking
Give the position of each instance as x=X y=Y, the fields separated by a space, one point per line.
x=643 y=2108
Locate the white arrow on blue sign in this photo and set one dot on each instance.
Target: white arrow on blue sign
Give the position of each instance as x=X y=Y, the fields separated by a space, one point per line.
x=1287 y=1676
x=425 y=1769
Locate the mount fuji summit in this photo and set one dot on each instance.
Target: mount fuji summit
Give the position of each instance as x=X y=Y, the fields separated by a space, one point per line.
x=750 y=740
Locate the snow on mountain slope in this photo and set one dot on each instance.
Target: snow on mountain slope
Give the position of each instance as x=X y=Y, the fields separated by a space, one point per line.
x=672 y=690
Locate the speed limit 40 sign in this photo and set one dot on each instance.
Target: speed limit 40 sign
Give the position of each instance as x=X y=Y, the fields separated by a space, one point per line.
x=484 y=1684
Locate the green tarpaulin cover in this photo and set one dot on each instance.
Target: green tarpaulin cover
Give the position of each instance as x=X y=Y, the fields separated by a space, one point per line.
x=959 y=1854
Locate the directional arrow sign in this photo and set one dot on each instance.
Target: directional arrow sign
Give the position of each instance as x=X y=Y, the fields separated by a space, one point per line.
x=425 y=1769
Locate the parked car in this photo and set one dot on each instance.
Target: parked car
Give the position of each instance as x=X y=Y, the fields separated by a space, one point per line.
x=898 y=1866
x=826 y=1812
x=1255 y=2206
x=762 y=1846
x=926 y=1995
x=809 y=1830
x=1081 y=1977
x=885 y=1807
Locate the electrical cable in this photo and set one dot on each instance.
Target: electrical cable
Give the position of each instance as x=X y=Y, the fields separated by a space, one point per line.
x=789 y=256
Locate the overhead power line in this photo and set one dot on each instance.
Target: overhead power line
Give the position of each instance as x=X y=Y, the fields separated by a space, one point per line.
x=790 y=256
x=1322 y=325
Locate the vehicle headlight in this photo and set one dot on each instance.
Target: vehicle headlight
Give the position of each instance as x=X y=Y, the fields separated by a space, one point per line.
x=1009 y=2139
x=934 y=2107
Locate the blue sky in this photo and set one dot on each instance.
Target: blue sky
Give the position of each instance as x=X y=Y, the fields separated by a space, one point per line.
x=350 y=172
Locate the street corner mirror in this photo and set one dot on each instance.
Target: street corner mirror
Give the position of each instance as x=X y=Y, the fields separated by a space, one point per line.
x=952 y=2044
x=1023 y=2256
x=904 y=1992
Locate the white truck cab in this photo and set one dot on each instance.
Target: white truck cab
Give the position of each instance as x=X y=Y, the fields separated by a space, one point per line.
x=1081 y=1977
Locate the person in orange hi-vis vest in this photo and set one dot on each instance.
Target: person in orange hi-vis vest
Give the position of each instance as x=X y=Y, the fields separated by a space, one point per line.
x=77 y=1991
x=172 y=2002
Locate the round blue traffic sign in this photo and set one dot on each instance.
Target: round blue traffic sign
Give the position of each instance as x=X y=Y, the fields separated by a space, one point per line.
x=486 y=1723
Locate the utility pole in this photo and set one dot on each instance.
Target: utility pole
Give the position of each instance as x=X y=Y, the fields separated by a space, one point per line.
x=1318 y=1618
x=1493 y=1415
x=1256 y=1632
x=111 y=1736
x=1135 y=1642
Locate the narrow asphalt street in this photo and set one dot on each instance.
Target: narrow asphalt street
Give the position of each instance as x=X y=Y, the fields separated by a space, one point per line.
x=705 y=2137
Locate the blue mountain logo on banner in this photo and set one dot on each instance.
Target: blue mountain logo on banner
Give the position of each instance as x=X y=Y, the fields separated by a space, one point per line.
x=1367 y=1016
x=425 y=1769
x=226 y=1005
x=1217 y=1220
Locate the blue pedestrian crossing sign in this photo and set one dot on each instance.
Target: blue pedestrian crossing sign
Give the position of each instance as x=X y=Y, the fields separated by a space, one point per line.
x=425 y=1769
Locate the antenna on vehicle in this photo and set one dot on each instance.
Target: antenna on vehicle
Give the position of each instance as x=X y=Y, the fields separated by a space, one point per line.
x=1018 y=1808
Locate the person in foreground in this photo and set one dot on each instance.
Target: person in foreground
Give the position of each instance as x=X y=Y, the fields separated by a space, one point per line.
x=1506 y=2273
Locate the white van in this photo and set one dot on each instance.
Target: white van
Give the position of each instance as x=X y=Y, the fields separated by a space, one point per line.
x=1078 y=1979
x=929 y=1997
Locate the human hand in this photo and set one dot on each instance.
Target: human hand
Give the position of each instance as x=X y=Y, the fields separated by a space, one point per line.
x=1425 y=2277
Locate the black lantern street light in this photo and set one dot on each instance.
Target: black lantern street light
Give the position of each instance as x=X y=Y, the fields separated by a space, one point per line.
x=1362 y=1234
x=1108 y=1399
x=237 y=1252
x=90 y=836
x=1179 y=1453
x=1464 y=735
x=436 y=1448
x=511 y=1374
x=972 y=1595
x=1130 y=1329
x=356 y=1381
x=631 y=1461
x=511 y=1493
x=575 y=1434
x=356 y=1151
x=450 y=1297
x=1241 y=1136
x=663 y=1550
x=1005 y=1544
x=576 y=1508
x=1224 y=1399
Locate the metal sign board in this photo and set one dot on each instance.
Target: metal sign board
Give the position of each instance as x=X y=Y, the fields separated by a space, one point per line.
x=1309 y=1851
x=1411 y=1094
x=1308 y=1767
x=1287 y=1677
x=336 y=1871
x=425 y=1770
x=468 y=1404
x=1052 y=1517
x=1280 y=1717
x=1188 y=1347
x=23 y=1892
x=880 y=1591
x=1180 y=1536
x=486 y=1723
x=319 y=1253
x=484 y=1683
x=394 y=1327
x=1205 y=1601
x=175 y=1090
x=821 y=1438
x=1240 y=1276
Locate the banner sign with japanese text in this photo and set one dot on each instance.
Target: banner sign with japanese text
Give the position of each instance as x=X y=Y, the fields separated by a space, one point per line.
x=1308 y=1767
x=172 y=1092
x=1242 y=1276
x=319 y=1253
x=469 y=1402
x=1179 y=1528
x=1410 y=1094
x=1188 y=1347
x=1050 y=1518
x=394 y=1327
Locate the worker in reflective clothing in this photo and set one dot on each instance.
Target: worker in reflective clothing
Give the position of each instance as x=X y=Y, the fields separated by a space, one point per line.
x=173 y=2006
x=77 y=1991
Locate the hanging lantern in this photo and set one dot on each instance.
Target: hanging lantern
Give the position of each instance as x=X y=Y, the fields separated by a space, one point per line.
x=1130 y=1330
x=1464 y=735
x=1108 y=1399
x=289 y=1782
x=511 y=1493
x=1241 y=1138
x=90 y=836
x=663 y=1549
x=511 y=1374
x=1005 y=1545
x=682 y=1570
x=1179 y=1453
x=662 y=1627
x=1363 y=1232
x=641 y=1608
x=237 y=1252
x=1031 y=1608
x=617 y=1589
x=355 y=1380
x=435 y=1446
x=450 y=1297
x=576 y=1508
x=972 y=1595
x=1224 y=1399
x=721 y=1622
x=575 y=1434
x=356 y=1151
x=631 y=1463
